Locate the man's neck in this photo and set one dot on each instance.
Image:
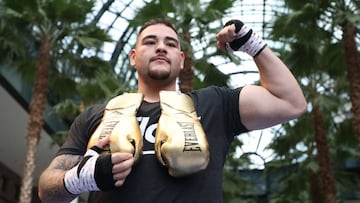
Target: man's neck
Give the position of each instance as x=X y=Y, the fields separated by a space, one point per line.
x=151 y=94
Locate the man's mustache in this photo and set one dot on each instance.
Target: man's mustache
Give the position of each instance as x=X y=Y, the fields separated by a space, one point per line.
x=160 y=57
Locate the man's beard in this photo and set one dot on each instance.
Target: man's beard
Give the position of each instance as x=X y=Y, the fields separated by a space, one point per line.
x=159 y=75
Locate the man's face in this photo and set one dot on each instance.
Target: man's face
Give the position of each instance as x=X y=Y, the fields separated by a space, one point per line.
x=157 y=55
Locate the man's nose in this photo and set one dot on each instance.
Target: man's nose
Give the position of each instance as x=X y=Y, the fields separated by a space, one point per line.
x=161 y=48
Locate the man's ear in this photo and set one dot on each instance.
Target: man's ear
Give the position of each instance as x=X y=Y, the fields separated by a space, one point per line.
x=182 y=55
x=132 y=57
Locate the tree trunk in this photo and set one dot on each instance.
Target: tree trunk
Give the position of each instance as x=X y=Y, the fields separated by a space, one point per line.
x=353 y=74
x=314 y=181
x=187 y=74
x=327 y=184
x=315 y=193
x=36 y=119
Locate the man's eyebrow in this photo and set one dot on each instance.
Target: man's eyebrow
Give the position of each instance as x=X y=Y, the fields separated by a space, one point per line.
x=166 y=38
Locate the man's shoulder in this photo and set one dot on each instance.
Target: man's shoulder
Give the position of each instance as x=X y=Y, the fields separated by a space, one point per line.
x=91 y=114
x=95 y=109
x=207 y=90
x=214 y=91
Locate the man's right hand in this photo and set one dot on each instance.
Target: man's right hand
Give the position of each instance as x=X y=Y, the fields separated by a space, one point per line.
x=122 y=164
x=98 y=172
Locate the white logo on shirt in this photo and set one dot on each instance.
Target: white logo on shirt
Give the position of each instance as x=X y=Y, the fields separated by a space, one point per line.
x=147 y=132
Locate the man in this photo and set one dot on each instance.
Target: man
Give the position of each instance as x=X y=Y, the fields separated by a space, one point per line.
x=224 y=113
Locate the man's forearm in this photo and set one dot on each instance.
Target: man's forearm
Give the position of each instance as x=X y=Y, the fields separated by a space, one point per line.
x=51 y=187
x=51 y=182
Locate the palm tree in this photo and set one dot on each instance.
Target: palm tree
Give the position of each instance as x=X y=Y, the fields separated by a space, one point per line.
x=353 y=68
x=55 y=30
x=336 y=17
x=315 y=56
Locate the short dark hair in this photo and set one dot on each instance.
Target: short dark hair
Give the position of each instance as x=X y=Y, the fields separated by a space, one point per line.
x=156 y=21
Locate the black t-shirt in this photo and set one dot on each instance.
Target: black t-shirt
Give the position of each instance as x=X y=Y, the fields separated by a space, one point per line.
x=149 y=181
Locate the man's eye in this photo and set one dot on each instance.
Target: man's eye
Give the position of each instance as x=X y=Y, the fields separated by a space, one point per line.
x=171 y=44
x=149 y=42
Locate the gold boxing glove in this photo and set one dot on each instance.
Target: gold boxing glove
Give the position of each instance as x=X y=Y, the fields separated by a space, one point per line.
x=180 y=142
x=119 y=122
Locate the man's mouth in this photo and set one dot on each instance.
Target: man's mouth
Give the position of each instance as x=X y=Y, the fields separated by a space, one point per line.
x=160 y=58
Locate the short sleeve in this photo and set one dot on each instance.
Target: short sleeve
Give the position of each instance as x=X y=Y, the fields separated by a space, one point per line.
x=81 y=130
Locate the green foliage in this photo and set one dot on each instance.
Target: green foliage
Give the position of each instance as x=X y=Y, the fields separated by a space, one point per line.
x=67 y=11
x=76 y=60
x=211 y=75
x=236 y=187
x=310 y=32
x=60 y=82
x=67 y=109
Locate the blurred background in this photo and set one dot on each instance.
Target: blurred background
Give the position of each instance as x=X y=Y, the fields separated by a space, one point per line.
x=59 y=56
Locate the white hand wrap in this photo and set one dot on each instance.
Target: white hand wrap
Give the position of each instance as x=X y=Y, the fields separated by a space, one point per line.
x=81 y=178
x=246 y=40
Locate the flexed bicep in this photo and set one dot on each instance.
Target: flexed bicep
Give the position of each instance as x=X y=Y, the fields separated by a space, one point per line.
x=260 y=109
